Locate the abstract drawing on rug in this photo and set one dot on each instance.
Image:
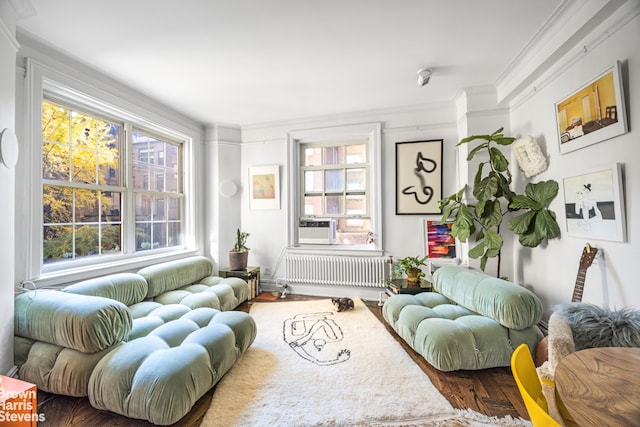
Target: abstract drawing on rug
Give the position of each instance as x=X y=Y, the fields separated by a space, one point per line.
x=316 y=338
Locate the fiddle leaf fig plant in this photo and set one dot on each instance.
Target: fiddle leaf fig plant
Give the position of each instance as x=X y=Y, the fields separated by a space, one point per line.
x=494 y=198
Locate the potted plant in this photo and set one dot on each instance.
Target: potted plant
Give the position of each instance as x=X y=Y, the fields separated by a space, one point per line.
x=239 y=255
x=411 y=267
x=494 y=198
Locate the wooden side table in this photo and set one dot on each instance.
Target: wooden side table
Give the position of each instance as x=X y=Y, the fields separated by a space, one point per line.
x=18 y=403
x=250 y=274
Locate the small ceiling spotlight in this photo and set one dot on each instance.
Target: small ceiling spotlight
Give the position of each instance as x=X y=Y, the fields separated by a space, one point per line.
x=424 y=75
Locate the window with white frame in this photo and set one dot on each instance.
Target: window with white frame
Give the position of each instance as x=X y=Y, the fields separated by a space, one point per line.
x=336 y=180
x=97 y=200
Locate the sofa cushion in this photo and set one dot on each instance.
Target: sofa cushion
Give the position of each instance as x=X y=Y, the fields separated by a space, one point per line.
x=85 y=323
x=512 y=306
x=128 y=288
x=171 y=275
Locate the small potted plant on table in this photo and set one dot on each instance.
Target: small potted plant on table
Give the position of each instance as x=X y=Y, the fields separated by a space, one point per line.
x=239 y=255
x=411 y=267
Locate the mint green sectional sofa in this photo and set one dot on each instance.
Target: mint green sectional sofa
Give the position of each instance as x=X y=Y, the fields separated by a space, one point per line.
x=469 y=321
x=145 y=345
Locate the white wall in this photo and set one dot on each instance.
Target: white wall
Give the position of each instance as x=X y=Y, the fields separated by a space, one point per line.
x=551 y=272
x=267 y=145
x=8 y=48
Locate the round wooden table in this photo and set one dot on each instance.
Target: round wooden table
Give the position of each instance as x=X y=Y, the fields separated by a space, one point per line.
x=601 y=386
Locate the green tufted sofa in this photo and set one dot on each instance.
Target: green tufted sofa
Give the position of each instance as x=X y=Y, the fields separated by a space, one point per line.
x=145 y=345
x=470 y=321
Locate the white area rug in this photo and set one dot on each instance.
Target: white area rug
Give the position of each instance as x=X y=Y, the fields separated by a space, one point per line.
x=311 y=366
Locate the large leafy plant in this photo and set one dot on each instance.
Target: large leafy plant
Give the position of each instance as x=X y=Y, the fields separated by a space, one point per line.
x=494 y=198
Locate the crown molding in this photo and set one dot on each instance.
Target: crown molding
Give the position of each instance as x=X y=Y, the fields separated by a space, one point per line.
x=571 y=22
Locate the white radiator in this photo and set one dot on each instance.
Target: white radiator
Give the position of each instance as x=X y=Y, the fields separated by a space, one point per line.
x=337 y=270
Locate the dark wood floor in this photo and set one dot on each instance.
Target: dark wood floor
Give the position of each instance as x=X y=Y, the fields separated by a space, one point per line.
x=491 y=391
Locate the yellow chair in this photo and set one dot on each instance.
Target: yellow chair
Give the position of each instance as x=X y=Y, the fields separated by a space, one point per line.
x=524 y=372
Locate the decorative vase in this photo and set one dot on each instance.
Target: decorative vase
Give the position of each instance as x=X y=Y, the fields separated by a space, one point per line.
x=238 y=260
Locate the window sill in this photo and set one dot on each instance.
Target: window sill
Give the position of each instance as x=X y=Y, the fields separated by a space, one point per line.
x=62 y=277
x=358 y=251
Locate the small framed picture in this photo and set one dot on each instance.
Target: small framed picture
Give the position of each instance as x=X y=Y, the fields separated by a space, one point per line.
x=594 y=204
x=418 y=177
x=593 y=113
x=264 y=187
x=439 y=243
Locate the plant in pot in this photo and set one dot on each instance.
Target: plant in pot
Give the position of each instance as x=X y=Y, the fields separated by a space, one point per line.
x=481 y=220
x=239 y=255
x=411 y=267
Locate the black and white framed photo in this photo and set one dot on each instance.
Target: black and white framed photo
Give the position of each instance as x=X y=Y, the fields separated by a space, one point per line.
x=593 y=113
x=594 y=204
x=418 y=177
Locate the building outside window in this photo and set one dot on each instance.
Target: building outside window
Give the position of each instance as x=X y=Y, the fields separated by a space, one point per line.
x=86 y=187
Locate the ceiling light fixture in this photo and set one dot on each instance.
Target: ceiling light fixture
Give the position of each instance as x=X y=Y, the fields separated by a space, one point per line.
x=424 y=75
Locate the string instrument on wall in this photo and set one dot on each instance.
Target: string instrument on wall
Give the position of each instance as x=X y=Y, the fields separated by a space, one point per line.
x=586 y=259
x=588 y=255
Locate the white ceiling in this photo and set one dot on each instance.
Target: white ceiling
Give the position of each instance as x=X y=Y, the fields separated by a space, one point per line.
x=248 y=62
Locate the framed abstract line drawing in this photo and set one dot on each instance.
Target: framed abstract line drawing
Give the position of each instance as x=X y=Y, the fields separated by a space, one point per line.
x=594 y=204
x=264 y=187
x=593 y=113
x=418 y=177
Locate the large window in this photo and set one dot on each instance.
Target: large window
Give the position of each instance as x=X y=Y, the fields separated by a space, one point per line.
x=335 y=179
x=97 y=200
x=335 y=187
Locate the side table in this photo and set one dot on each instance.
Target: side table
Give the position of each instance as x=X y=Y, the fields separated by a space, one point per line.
x=401 y=286
x=250 y=274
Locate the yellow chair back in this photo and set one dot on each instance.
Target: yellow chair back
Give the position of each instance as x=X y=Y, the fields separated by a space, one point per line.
x=526 y=376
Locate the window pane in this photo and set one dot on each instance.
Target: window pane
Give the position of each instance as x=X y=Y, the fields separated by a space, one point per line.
x=111 y=206
x=356 y=154
x=143 y=207
x=83 y=165
x=160 y=235
x=171 y=182
x=335 y=180
x=352 y=231
x=172 y=157
x=312 y=157
x=356 y=205
x=356 y=180
x=86 y=240
x=55 y=161
x=143 y=236
x=55 y=123
x=86 y=206
x=173 y=238
x=333 y=155
x=111 y=239
x=335 y=205
x=57 y=243
x=173 y=213
x=57 y=205
x=159 y=213
x=108 y=169
x=313 y=181
x=313 y=205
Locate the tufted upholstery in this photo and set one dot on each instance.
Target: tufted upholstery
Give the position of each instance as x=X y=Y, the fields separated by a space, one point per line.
x=474 y=322
x=145 y=345
x=177 y=362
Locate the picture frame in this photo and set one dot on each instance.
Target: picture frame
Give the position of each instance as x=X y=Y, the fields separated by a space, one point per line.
x=438 y=241
x=594 y=204
x=593 y=113
x=264 y=187
x=418 y=177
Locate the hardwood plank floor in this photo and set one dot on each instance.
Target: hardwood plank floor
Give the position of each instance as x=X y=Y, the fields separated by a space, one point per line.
x=491 y=391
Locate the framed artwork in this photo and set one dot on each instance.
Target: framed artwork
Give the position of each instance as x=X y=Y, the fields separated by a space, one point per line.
x=593 y=113
x=439 y=243
x=264 y=187
x=594 y=204
x=418 y=177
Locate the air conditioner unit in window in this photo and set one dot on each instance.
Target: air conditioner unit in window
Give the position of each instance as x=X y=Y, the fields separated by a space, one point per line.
x=316 y=232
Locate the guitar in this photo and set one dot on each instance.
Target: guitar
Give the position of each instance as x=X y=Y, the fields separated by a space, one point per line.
x=588 y=255
x=586 y=259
